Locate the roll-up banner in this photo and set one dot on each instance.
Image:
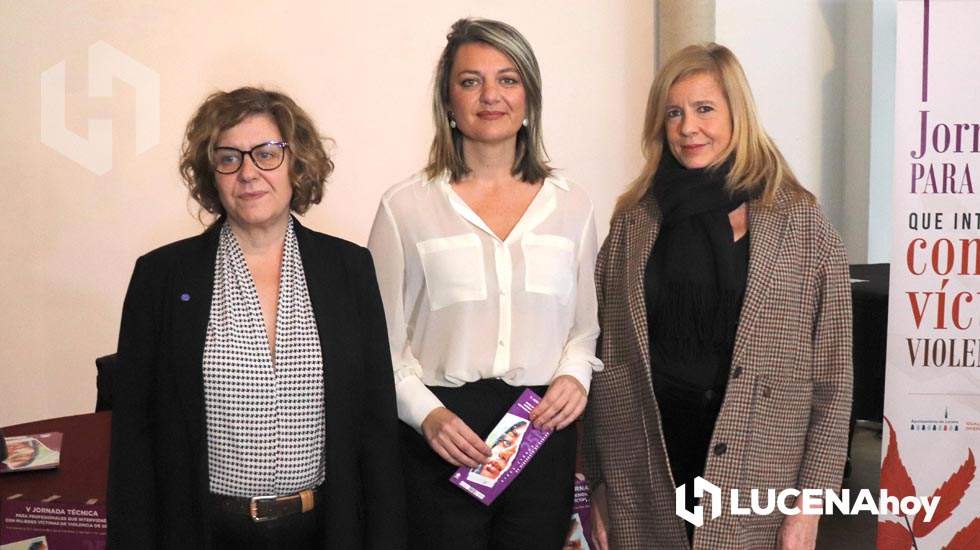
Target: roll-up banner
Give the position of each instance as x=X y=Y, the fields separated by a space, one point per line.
x=931 y=432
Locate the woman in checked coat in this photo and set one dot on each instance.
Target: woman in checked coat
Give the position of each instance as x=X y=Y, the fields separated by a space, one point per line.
x=724 y=305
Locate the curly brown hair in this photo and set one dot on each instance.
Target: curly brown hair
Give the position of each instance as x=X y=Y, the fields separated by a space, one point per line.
x=309 y=164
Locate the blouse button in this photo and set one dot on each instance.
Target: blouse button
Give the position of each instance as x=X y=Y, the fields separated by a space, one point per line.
x=766 y=392
x=737 y=372
x=720 y=449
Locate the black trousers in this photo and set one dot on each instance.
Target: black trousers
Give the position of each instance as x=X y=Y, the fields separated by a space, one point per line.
x=239 y=532
x=533 y=513
x=687 y=417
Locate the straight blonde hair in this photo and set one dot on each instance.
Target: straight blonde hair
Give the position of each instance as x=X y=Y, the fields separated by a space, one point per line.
x=446 y=152
x=758 y=167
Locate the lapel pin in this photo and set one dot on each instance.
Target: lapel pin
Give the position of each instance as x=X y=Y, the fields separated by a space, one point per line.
x=185 y=297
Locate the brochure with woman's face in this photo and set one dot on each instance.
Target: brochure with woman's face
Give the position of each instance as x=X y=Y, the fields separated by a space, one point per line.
x=32 y=452
x=513 y=442
x=504 y=442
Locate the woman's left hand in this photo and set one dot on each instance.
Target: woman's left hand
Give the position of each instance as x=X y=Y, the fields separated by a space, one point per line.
x=562 y=404
x=798 y=532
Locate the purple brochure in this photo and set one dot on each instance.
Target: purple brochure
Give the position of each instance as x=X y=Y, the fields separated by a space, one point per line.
x=513 y=441
x=580 y=531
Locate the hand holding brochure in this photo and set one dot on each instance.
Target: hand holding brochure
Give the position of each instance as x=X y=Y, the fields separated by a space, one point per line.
x=513 y=441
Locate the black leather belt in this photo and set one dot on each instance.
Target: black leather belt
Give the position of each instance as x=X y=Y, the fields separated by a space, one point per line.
x=267 y=508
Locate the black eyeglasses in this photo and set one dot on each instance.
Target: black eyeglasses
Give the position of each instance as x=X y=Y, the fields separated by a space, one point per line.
x=265 y=156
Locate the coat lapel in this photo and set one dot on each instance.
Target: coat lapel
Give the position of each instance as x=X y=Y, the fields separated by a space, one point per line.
x=644 y=226
x=193 y=288
x=766 y=228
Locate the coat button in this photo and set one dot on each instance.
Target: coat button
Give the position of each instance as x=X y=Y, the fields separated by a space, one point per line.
x=737 y=372
x=720 y=449
x=766 y=392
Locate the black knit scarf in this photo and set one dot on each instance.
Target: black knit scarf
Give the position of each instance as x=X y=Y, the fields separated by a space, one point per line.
x=697 y=304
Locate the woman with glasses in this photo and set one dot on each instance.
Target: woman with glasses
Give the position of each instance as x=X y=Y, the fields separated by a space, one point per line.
x=485 y=264
x=255 y=403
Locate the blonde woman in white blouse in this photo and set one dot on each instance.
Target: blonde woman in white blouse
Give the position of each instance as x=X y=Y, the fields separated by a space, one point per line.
x=485 y=263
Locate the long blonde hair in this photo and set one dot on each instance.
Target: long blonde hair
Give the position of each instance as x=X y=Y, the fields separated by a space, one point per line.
x=757 y=168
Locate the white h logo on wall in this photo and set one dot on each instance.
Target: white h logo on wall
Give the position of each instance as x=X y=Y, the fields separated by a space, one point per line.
x=105 y=63
x=701 y=486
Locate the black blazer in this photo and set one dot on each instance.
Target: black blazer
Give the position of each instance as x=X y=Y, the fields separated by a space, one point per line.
x=158 y=472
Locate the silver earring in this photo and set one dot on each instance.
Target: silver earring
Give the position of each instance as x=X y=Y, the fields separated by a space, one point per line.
x=452 y=123
x=524 y=123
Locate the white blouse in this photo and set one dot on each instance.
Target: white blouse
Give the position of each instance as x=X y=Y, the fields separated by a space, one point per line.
x=463 y=305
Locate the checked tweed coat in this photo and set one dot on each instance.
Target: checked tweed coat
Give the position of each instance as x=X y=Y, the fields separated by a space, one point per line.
x=784 y=420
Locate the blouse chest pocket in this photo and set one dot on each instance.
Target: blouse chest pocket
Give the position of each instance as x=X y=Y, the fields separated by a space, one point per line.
x=549 y=262
x=453 y=268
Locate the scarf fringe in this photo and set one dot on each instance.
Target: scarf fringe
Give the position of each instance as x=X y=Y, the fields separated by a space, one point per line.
x=692 y=320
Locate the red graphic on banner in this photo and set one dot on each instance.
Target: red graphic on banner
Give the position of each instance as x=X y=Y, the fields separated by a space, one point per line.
x=968 y=538
x=950 y=494
x=894 y=536
x=894 y=477
x=896 y=480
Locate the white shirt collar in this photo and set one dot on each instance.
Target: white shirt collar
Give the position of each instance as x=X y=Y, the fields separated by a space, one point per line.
x=557 y=181
x=543 y=204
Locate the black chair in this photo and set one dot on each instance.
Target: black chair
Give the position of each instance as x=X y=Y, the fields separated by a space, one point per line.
x=870 y=299
x=106 y=367
x=869 y=295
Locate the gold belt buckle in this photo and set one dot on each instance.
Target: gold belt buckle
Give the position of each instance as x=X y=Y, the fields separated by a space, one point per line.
x=253 y=508
x=307 y=500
